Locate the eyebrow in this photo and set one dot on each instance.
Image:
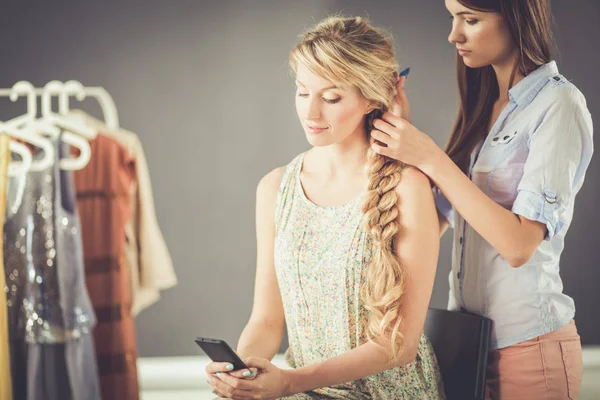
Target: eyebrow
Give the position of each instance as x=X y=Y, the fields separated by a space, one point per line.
x=465 y=13
x=327 y=88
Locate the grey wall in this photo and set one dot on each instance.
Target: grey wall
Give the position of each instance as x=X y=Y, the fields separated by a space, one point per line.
x=206 y=87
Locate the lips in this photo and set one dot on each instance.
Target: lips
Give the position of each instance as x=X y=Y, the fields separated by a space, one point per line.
x=462 y=52
x=315 y=129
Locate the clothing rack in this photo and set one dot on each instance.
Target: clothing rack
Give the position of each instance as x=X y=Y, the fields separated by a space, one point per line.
x=96 y=230
x=48 y=202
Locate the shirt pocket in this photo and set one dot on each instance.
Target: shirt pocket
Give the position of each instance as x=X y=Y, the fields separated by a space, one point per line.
x=503 y=182
x=480 y=175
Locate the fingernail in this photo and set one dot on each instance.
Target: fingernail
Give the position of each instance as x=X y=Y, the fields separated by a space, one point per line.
x=229 y=367
x=405 y=71
x=218 y=374
x=247 y=373
x=214 y=392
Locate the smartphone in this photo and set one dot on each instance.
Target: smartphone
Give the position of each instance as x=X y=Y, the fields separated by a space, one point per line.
x=219 y=351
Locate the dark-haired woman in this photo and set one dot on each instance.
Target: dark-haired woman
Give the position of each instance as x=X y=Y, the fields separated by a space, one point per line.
x=507 y=183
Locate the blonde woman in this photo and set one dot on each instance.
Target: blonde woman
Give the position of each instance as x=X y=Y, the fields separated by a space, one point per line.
x=347 y=242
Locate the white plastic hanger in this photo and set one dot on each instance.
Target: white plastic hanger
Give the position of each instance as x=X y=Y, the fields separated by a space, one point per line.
x=70 y=88
x=33 y=126
x=30 y=118
x=23 y=88
x=72 y=122
x=55 y=87
x=19 y=167
x=48 y=156
x=15 y=167
x=29 y=137
x=107 y=104
x=109 y=109
x=77 y=127
x=12 y=127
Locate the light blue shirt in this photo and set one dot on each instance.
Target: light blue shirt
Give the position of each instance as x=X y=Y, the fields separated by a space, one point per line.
x=532 y=162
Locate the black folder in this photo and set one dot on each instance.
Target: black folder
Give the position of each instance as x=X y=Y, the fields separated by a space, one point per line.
x=461 y=344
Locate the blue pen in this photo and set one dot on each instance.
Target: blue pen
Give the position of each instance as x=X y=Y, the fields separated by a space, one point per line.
x=405 y=71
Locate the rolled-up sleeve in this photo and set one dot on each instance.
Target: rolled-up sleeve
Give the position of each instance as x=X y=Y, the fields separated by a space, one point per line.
x=560 y=150
x=443 y=206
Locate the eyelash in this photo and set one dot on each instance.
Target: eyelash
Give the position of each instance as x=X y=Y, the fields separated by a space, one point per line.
x=324 y=99
x=468 y=21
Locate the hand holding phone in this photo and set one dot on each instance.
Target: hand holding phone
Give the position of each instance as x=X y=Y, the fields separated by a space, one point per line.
x=219 y=351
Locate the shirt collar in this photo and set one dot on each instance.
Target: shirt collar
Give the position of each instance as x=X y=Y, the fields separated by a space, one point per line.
x=526 y=90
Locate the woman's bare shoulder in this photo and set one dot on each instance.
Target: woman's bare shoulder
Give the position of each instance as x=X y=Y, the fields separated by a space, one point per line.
x=269 y=184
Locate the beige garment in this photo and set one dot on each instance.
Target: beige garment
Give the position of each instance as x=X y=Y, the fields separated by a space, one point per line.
x=5 y=375
x=147 y=255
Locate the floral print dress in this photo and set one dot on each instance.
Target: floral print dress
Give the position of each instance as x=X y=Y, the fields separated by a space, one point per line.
x=321 y=254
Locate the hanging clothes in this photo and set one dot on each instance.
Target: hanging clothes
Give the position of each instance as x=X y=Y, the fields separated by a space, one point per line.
x=49 y=311
x=152 y=268
x=147 y=256
x=5 y=377
x=103 y=196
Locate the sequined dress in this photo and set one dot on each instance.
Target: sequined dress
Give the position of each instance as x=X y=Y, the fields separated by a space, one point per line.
x=49 y=312
x=321 y=254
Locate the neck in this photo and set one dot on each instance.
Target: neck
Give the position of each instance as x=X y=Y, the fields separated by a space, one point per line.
x=503 y=72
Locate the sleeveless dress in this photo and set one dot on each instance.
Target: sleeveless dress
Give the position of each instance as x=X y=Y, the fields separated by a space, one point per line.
x=321 y=254
x=49 y=312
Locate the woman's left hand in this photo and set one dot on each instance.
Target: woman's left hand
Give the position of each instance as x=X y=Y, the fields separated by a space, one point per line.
x=270 y=383
x=398 y=139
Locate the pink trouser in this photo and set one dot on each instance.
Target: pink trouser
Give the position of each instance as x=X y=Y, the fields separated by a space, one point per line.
x=548 y=367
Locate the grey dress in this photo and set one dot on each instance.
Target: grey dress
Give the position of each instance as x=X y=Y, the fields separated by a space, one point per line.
x=49 y=312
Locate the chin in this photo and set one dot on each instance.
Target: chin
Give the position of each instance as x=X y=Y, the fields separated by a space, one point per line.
x=474 y=63
x=318 y=142
x=479 y=61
